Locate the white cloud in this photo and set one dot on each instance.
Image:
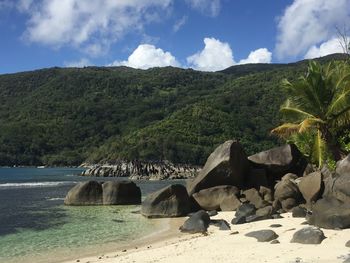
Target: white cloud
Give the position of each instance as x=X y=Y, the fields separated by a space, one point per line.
x=216 y=55
x=207 y=7
x=148 y=56
x=309 y=22
x=84 y=62
x=180 y=23
x=329 y=47
x=261 y=55
x=86 y=24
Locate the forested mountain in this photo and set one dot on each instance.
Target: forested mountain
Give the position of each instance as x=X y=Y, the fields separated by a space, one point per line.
x=64 y=116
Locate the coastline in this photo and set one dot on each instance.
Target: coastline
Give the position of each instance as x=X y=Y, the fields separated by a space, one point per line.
x=228 y=246
x=167 y=233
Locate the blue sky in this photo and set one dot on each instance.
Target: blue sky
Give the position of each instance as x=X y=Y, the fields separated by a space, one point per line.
x=201 y=34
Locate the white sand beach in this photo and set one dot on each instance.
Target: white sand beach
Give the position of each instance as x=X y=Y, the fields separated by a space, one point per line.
x=230 y=246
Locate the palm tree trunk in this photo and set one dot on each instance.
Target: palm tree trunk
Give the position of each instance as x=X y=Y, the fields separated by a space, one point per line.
x=333 y=145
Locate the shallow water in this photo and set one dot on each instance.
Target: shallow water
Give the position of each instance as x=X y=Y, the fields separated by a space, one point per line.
x=34 y=223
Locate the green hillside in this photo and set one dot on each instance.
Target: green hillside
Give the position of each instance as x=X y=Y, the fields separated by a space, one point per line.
x=64 y=116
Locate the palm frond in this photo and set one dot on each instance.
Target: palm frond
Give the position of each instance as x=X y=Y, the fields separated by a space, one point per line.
x=286 y=130
x=293 y=112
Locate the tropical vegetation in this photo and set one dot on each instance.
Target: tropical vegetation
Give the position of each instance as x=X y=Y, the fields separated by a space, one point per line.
x=65 y=116
x=317 y=111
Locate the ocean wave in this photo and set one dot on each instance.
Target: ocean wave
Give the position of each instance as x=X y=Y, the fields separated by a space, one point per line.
x=55 y=199
x=34 y=185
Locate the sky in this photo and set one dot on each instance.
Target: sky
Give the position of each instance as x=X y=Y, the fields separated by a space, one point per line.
x=206 y=35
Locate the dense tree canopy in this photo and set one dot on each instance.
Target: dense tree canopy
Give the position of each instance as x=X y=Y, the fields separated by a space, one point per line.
x=66 y=116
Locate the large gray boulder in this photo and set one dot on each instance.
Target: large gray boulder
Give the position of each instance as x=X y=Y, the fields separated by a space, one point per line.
x=212 y=198
x=308 y=235
x=310 y=187
x=287 y=192
x=121 y=193
x=279 y=161
x=85 y=193
x=330 y=213
x=197 y=223
x=338 y=185
x=171 y=201
x=227 y=165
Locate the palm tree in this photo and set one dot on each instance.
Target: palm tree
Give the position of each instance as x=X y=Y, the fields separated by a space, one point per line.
x=318 y=104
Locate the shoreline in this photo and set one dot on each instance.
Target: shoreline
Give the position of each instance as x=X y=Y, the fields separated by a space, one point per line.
x=229 y=246
x=168 y=233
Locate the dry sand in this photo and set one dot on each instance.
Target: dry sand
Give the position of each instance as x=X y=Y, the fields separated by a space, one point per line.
x=225 y=246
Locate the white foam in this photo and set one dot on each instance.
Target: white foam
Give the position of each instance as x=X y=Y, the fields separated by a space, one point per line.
x=33 y=185
x=55 y=199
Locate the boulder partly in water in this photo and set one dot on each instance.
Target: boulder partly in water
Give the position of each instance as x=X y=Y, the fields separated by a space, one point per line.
x=85 y=193
x=171 y=201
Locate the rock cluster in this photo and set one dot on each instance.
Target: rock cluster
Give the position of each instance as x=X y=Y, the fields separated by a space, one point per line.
x=142 y=170
x=264 y=185
x=258 y=187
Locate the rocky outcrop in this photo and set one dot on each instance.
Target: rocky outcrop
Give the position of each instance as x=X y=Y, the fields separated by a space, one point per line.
x=338 y=185
x=287 y=192
x=227 y=165
x=142 y=170
x=217 y=198
x=330 y=213
x=308 y=235
x=197 y=223
x=280 y=161
x=85 y=193
x=253 y=196
x=121 y=193
x=171 y=201
x=310 y=187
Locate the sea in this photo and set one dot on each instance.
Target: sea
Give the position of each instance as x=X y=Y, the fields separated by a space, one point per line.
x=35 y=225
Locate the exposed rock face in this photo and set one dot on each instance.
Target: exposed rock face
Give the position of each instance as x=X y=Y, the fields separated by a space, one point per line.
x=197 y=223
x=121 y=193
x=279 y=161
x=85 y=193
x=212 y=198
x=242 y=213
x=171 y=201
x=287 y=192
x=230 y=203
x=263 y=235
x=253 y=196
x=145 y=170
x=299 y=212
x=245 y=210
x=343 y=167
x=308 y=235
x=221 y=224
x=338 y=186
x=310 y=187
x=227 y=165
x=266 y=193
x=257 y=177
x=265 y=212
x=330 y=213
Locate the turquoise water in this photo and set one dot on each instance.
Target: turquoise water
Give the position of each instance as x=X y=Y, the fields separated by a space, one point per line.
x=35 y=226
